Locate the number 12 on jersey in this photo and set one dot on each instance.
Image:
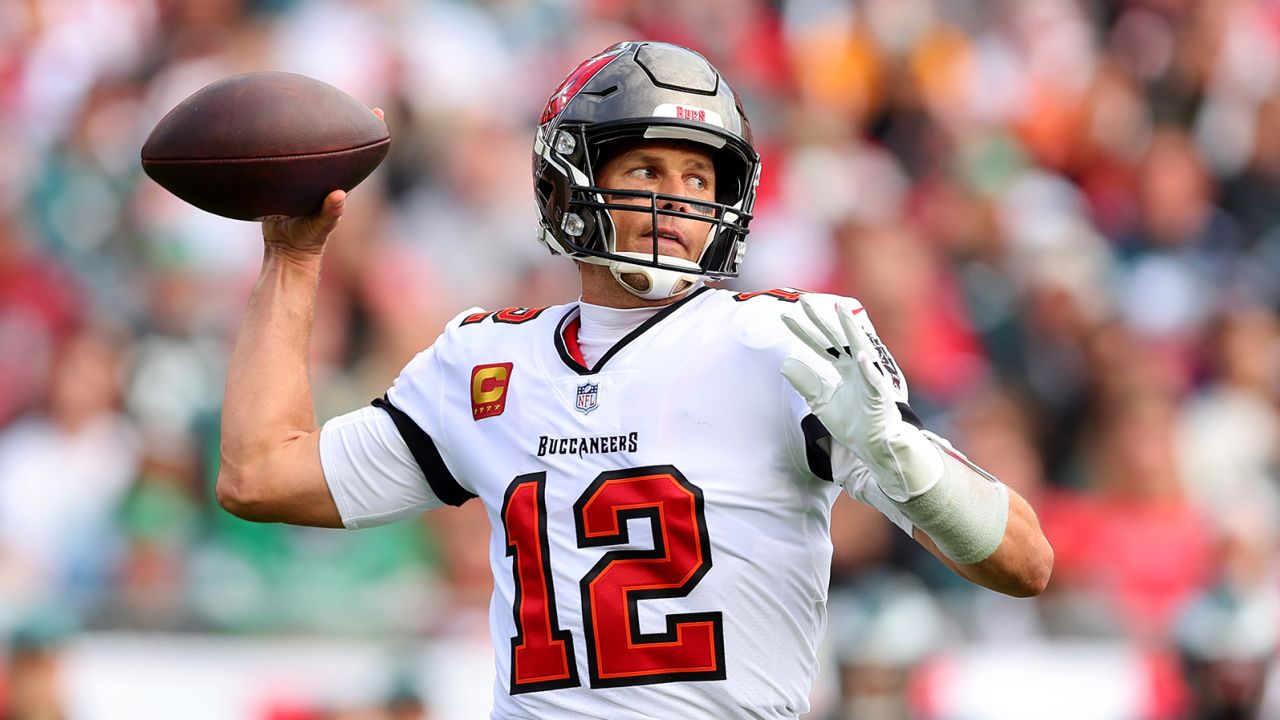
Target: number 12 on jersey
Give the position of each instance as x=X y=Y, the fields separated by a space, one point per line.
x=618 y=653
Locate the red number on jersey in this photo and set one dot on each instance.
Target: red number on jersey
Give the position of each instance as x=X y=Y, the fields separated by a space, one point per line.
x=516 y=315
x=541 y=653
x=509 y=316
x=618 y=653
x=474 y=318
x=692 y=646
x=783 y=294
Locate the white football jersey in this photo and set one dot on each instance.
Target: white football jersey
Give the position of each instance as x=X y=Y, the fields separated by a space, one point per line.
x=661 y=543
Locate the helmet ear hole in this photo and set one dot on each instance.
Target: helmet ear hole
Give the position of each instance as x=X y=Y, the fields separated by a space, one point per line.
x=545 y=191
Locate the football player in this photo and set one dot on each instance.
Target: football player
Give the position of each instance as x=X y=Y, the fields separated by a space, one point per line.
x=659 y=459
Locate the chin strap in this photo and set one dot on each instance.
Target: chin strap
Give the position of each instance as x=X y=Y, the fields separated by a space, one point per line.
x=651 y=283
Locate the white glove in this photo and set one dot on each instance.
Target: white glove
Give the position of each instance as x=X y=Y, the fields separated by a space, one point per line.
x=858 y=409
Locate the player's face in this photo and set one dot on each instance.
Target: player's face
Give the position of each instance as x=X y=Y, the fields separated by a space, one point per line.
x=666 y=168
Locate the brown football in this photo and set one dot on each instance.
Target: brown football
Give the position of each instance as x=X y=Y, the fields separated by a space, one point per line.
x=264 y=144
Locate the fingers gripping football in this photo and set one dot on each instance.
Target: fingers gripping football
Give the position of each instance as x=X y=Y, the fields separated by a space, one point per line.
x=856 y=402
x=307 y=234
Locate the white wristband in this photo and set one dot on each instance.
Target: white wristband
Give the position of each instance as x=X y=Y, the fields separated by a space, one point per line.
x=965 y=512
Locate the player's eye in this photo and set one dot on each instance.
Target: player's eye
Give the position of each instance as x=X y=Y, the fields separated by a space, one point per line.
x=644 y=173
x=697 y=182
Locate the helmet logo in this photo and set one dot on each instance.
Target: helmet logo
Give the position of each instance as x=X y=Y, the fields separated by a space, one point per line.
x=580 y=76
x=686 y=112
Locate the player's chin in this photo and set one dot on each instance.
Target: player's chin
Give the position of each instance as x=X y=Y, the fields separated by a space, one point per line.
x=671 y=248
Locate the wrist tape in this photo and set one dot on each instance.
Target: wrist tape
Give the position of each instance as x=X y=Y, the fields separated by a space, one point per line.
x=965 y=512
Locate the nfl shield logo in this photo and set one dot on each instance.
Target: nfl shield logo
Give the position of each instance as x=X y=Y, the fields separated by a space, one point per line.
x=588 y=395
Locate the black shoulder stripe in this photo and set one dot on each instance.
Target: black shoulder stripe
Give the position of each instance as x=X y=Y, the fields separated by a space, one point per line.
x=814 y=431
x=424 y=450
x=910 y=415
x=819 y=460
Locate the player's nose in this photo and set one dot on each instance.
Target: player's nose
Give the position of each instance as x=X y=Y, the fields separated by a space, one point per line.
x=674 y=189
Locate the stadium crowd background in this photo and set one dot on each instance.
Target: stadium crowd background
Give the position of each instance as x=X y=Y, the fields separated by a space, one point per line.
x=1064 y=216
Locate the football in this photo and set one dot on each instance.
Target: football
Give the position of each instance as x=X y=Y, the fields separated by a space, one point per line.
x=264 y=144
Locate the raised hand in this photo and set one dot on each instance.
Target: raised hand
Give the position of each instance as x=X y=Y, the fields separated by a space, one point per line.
x=306 y=235
x=856 y=404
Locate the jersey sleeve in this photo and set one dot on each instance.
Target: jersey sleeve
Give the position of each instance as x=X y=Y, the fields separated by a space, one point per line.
x=388 y=461
x=858 y=482
x=372 y=475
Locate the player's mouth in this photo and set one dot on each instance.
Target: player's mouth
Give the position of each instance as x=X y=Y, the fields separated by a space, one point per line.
x=669 y=239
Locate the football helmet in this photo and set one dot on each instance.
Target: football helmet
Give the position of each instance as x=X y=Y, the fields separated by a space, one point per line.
x=638 y=91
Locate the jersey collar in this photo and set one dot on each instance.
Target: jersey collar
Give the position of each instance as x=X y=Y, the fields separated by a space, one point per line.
x=566 y=338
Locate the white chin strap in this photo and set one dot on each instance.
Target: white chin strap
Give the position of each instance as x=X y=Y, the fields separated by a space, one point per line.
x=651 y=283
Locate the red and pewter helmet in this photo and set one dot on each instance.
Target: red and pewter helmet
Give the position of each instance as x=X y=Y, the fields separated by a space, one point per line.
x=637 y=91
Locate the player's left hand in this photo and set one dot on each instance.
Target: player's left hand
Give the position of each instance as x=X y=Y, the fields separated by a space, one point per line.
x=858 y=408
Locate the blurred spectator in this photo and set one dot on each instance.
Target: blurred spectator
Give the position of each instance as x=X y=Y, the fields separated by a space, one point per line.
x=1229 y=635
x=1230 y=434
x=39 y=303
x=1134 y=546
x=1253 y=195
x=34 y=680
x=178 y=366
x=159 y=519
x=882 y=629
x=1184 y=252
x=63 y=469
x=924 y=322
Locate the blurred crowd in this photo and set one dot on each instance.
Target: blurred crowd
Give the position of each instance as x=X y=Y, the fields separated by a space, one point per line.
x=1063 y=215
